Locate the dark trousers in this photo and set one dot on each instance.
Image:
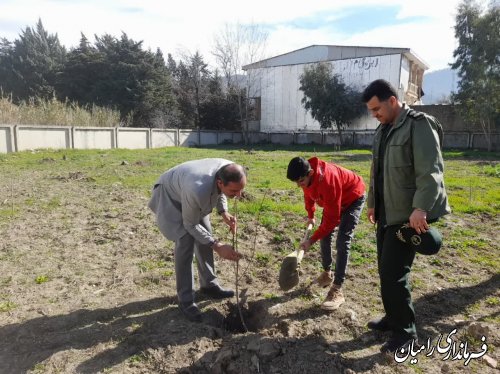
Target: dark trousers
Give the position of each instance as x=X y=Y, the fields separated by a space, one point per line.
x=395 y=259
x=348 y=221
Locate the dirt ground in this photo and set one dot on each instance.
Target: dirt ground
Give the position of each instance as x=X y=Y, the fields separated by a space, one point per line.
x=87 y=286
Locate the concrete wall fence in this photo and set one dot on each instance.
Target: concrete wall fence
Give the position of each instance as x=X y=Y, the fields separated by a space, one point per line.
x=15 y=138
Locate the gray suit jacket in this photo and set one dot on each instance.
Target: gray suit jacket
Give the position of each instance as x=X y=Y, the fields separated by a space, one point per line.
x=185 y=194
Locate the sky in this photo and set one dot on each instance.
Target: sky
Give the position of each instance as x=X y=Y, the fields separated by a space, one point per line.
x=186 y=26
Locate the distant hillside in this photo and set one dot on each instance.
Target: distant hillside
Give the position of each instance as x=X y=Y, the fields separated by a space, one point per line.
x=438 y=85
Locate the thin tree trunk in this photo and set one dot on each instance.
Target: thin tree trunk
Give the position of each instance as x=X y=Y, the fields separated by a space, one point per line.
x=485 y=125
x=339 y=129
x=243 y=121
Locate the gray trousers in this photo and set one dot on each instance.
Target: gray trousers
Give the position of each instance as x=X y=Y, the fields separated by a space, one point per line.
x=185 y=248
x=348 y=221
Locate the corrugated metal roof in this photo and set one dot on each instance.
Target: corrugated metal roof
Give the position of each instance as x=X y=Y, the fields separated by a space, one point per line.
x=318 y=53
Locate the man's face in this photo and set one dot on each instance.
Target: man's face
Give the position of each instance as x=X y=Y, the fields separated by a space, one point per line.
x=232 y=189
x=384 y=111
x=305 y=181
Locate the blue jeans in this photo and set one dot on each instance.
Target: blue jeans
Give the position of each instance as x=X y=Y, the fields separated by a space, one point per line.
x=348 y=221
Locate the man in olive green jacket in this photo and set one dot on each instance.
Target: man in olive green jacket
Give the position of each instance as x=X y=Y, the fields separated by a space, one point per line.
x=406 y=186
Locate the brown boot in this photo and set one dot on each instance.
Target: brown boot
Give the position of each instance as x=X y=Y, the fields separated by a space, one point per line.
x=333 y=299
x=325 y=279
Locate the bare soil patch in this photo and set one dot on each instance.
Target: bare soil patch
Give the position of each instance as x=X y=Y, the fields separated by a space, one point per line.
x=87 y=286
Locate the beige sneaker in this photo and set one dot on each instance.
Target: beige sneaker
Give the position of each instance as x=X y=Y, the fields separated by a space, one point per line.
x=325 y=279
x=333 y=299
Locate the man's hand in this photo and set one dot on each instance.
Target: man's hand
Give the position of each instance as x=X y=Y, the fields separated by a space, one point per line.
x=305 y=245
x=226 y=251
x=230 y=221
x=311 y=221
x=418 y=220
x=371 y=215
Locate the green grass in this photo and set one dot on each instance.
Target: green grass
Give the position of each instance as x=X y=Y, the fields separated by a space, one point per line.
x=136 y=358
x=41 y=279
x=7 y=306
x=270 y=296
x=262 y=258
x=493 y=301
x=149 y=265
x=471 y=178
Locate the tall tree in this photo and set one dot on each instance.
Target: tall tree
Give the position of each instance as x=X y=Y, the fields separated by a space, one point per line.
x=237 y=45
x=83 y=68
x=329 y=99
x=477 y=60
x=29 y=65
x=6 y=74
x=192 y=77
x=219 y=110
x=118 y=73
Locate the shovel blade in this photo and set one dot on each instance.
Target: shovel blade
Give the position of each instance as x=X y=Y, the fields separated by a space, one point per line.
x=289 y=274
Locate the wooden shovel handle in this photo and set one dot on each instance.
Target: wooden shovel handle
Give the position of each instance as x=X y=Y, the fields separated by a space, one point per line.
x=307 y=232
x=306 y=235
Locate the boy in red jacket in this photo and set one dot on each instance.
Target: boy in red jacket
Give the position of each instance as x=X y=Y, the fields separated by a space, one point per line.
x=341 y=194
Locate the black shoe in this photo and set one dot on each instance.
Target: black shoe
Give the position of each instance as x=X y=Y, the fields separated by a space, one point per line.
x=380 y=324
x=398 y=342
x=191 y=311
x=217 y=292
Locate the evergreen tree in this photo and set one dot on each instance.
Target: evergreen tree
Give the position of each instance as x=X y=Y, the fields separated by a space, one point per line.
x=77 y=79
x=6 y=74
x=29 y=65
x=219 y=110
x=191 y=82
x=477 y=60
x=118 y=73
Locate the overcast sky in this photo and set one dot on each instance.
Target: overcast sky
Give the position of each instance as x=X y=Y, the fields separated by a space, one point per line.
x=425 y=26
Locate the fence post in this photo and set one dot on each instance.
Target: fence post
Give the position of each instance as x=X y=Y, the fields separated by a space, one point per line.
x=11 y=140
x=115 y=137
x=72 y=137
x=16 y=139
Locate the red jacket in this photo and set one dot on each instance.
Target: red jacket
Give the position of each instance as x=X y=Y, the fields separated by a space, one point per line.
x=333 y=188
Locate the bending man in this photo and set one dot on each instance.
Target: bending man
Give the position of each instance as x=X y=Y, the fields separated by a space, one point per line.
x=182 y=199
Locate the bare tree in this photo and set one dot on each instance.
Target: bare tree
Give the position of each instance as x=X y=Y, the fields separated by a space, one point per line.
x=237 y=45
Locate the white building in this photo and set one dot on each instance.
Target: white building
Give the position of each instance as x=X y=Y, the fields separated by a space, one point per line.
x=274 y=82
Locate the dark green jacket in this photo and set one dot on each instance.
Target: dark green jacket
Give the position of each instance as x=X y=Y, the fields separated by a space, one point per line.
x=413 y=168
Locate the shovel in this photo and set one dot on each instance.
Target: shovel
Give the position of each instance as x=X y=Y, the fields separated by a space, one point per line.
x=289 y=271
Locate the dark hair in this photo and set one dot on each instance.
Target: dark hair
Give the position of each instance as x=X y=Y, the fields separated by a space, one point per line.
x=231 y=173
x=298 y=168
x=380 y=88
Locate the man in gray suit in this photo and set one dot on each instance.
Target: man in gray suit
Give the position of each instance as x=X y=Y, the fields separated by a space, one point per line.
x=182 y=199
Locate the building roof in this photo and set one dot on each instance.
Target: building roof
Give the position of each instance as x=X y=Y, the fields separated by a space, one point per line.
x=319 y=53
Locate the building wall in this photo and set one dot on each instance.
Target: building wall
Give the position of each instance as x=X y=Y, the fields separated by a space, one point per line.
x=278 y=88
